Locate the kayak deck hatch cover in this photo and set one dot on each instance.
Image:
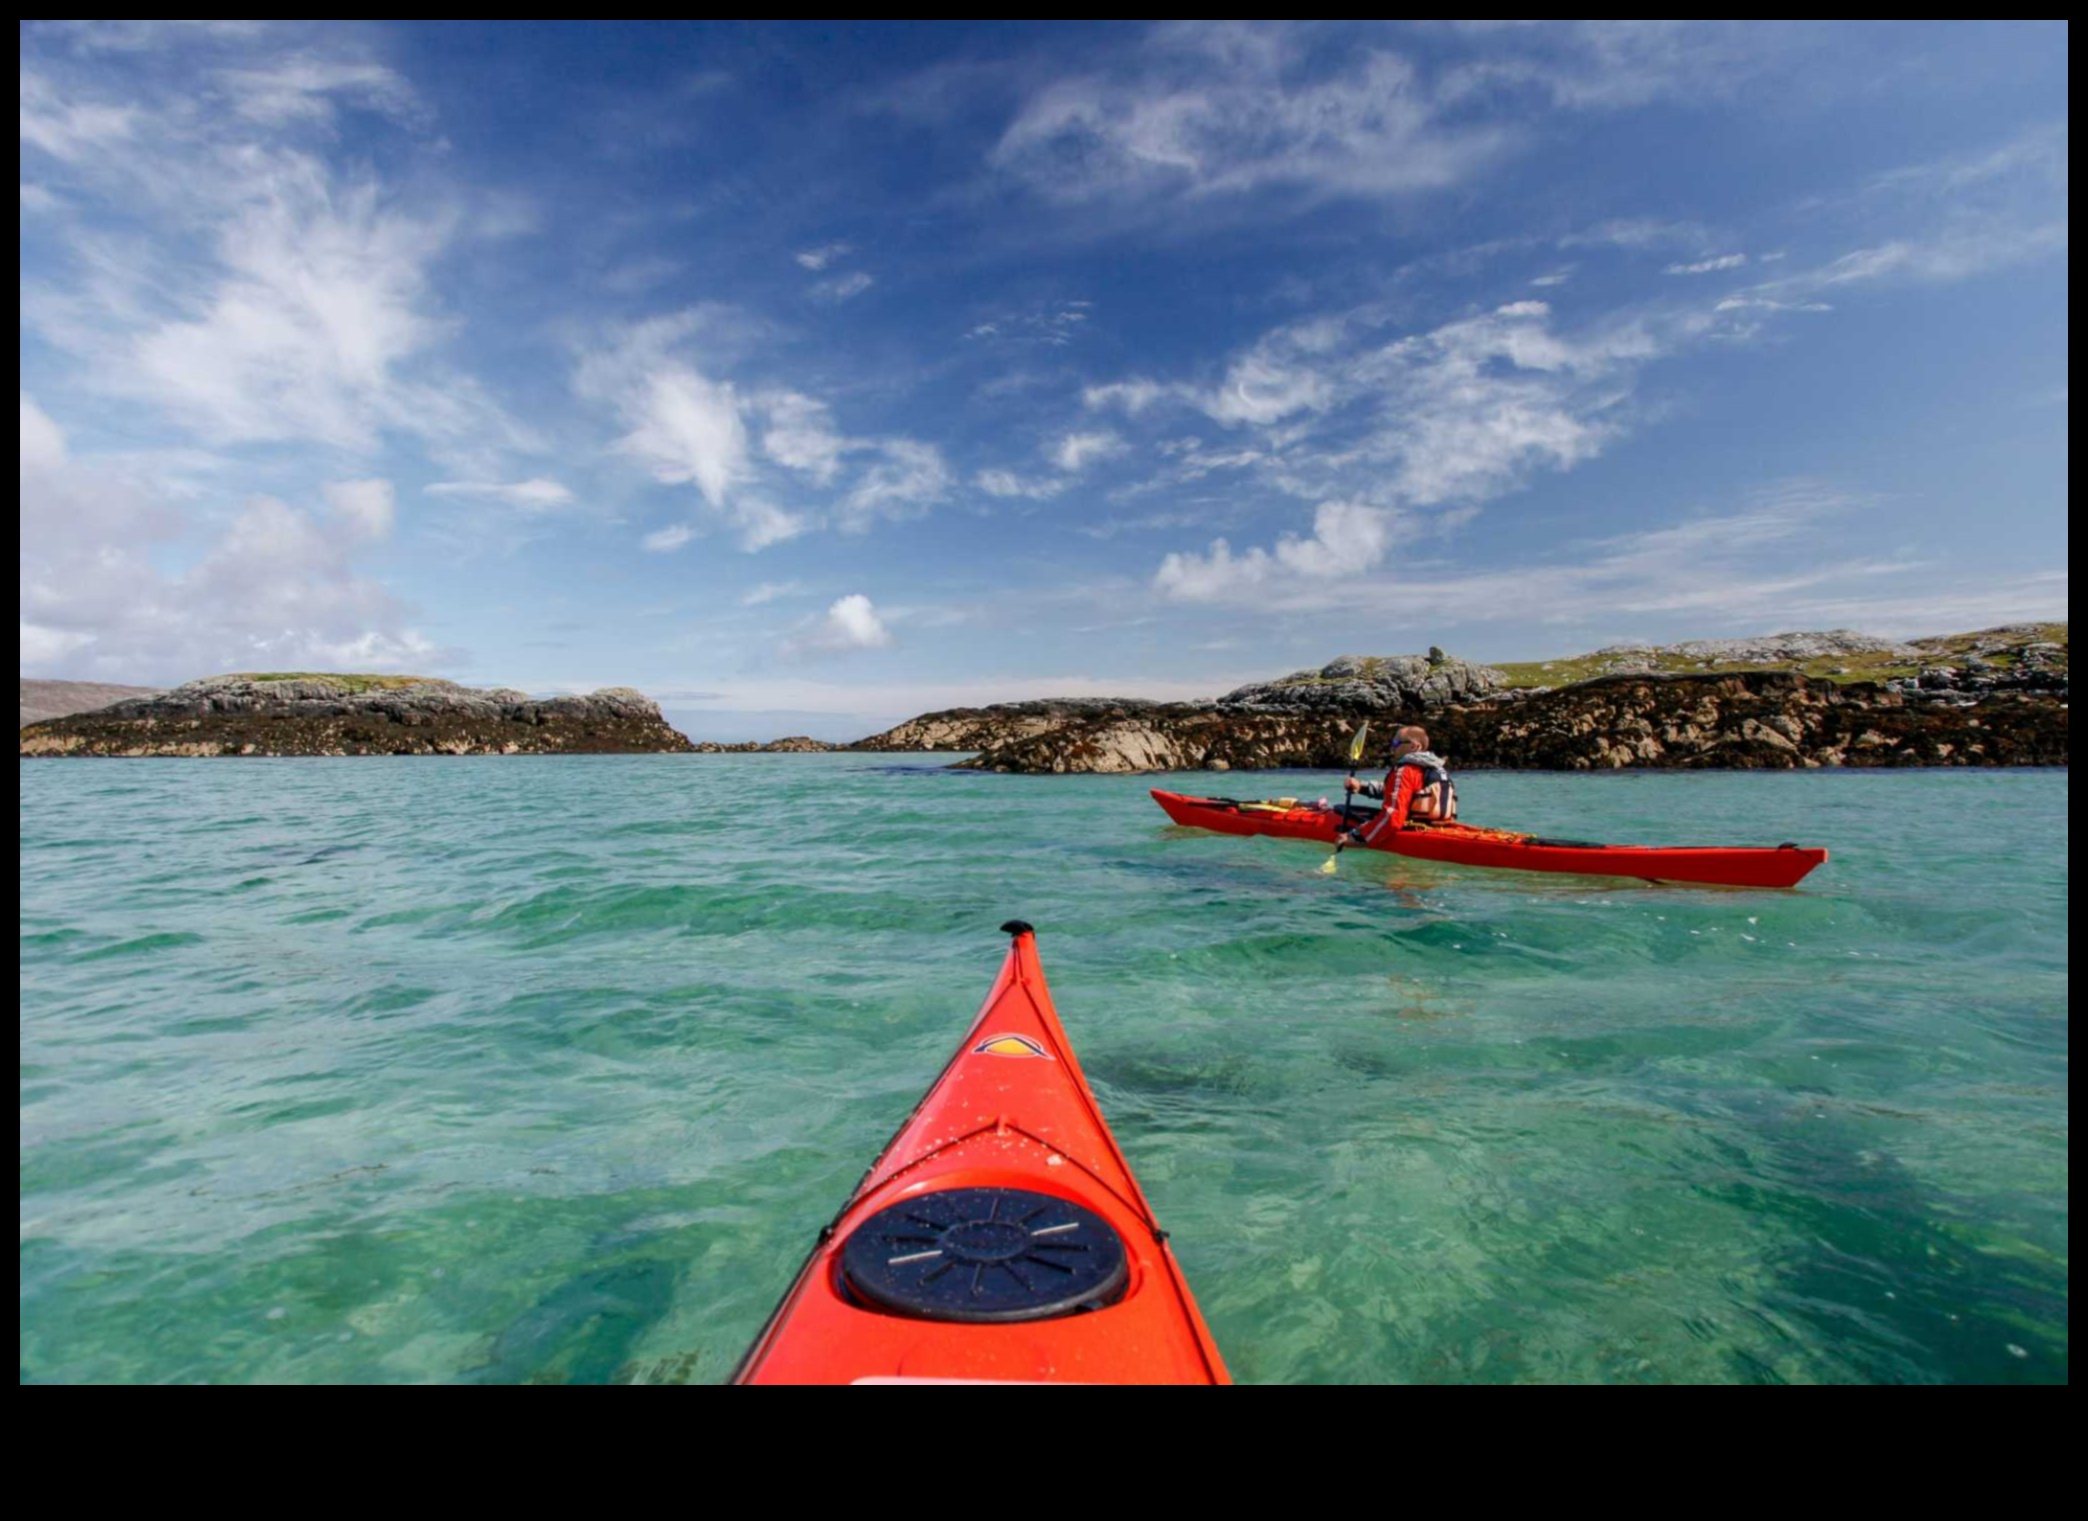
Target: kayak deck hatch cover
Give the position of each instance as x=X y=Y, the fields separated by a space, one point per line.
x=999 y=1237
x=1470 y=845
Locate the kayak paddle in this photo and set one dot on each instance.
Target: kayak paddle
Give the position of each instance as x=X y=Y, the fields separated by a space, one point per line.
x=1355 y=759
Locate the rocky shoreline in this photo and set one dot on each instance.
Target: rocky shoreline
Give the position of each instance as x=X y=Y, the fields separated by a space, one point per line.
x=321 y=714
x=1996 y=698
x=1753 y=720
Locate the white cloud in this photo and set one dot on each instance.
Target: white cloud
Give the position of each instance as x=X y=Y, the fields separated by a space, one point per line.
x=71 y=129
x=537 y=494
x=1772 y=563
x=276 y=588
x=1462 y=412
x=800 y=435
x=1076 y=451
x=772 y=591
x=842 y=287
x=909 y=479
x=1053 y=324
x=241 y=286
x=667 y=540
x=1558 y=278
x=687 y=428
x=1955 y=219
x=1229 y=109
x=367 y=507
x=1132 y=396
x=43 y=443
x=816 y=259
x=1006 y=483
x=851 y=623
x=1638 y=233
x=1348 y=538
x=309 y=89
x=1709 y=266
x=1615 y=64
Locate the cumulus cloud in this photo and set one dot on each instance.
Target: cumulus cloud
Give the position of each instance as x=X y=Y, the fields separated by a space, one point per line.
x=1347 y=539
x=850 y=624
x=277 y=587
x=366 y=507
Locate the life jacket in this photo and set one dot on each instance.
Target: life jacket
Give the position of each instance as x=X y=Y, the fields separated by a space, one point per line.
x=1436 y=786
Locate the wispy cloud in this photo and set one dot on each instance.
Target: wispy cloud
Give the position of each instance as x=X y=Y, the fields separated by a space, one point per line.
x=1076 y=451
x=1216 y=110
x=537 y=494
x=1007 y=483
x=256 y=294
x=1710 y=266
x=662 y=541
x=816 y=259
x=907 y=480
x=843 y=287
x=1460 y=412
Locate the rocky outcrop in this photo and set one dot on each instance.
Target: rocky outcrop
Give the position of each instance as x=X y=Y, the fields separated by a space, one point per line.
x=796 y=744
x=1001 y=723
x=55 y=699
x=1367 y=683
x=1744 y=720
x=323 y=714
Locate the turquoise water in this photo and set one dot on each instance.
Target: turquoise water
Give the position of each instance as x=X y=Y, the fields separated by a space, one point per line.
x=548 y=1069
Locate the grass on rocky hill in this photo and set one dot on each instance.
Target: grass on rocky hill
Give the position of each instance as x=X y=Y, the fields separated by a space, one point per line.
x=351 y=683
x=1875 y=665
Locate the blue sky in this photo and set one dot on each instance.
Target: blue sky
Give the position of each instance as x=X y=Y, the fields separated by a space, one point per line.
x=809 y=377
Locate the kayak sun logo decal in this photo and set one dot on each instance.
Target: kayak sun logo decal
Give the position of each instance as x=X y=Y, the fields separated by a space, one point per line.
x=1009 y=1045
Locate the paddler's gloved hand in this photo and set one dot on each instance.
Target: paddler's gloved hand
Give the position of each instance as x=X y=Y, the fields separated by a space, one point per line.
x=1350 y=784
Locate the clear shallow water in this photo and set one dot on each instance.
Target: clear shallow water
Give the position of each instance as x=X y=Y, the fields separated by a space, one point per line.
x=548 y=1069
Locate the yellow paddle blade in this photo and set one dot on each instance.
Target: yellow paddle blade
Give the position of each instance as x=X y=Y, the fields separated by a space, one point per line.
x=1356 y=744
x=1328 y=866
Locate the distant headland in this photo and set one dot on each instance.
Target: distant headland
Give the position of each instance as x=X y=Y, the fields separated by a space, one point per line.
x=321 y=713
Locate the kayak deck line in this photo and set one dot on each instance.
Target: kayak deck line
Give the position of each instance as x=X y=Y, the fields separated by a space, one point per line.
x=999 y=1237
x=1476 y=845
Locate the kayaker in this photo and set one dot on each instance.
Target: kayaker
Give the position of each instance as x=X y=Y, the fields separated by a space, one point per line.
x=1417 y=789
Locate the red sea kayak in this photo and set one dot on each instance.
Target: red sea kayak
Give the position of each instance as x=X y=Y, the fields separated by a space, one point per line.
x=999 y=1238
x=1469 y=845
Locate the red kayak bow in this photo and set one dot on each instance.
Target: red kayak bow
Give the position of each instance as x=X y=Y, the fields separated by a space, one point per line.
x=1469 y=845
x=999 y=1238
